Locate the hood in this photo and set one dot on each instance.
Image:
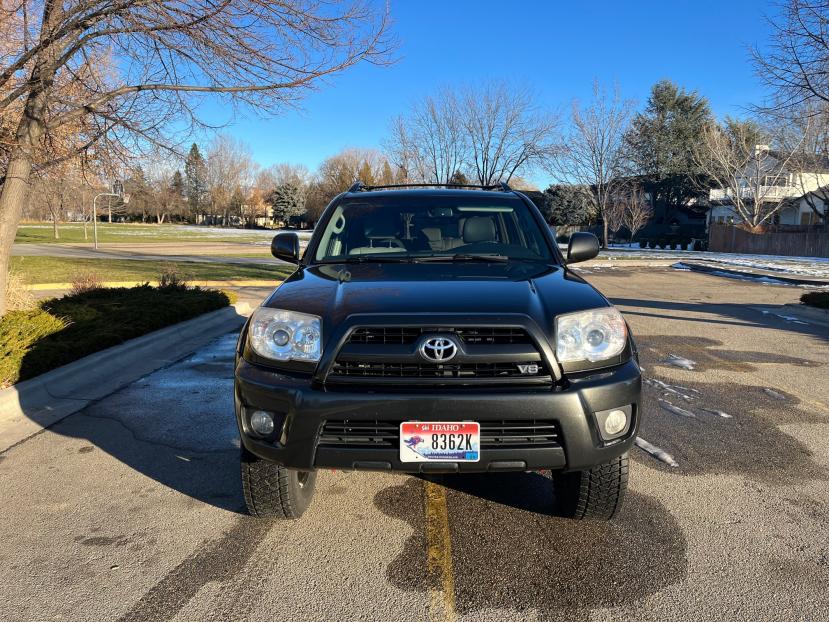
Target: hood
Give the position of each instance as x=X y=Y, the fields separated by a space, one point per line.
x=337 y=291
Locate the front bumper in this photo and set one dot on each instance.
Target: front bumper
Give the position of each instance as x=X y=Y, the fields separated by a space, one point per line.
x=305 y=408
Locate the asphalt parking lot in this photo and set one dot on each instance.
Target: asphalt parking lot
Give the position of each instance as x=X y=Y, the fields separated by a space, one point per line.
x=131 y=510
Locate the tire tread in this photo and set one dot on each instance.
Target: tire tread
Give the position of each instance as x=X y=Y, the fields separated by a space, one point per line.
x=595 y=493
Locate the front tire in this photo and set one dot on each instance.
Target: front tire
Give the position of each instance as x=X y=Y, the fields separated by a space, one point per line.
x=274 y=491
x=594 y=493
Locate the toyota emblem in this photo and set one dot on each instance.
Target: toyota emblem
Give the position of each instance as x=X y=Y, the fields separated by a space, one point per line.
x=439 y=349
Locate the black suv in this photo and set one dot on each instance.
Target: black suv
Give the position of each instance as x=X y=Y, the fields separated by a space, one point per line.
x=436 y=330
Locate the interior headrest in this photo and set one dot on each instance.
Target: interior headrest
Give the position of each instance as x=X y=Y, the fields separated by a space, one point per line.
x=380 y=230
x=479 y=229
x=433 y=234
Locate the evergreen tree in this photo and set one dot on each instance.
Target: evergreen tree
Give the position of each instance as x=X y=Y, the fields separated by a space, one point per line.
x=195 y=187
x=386 y=176
x=365 y=174
x=287 y=201
x=568 y=204
x=177 y=184
x=661 y=141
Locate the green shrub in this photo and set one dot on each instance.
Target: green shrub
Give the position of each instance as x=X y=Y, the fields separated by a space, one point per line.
x=643 y=243
x=19 y=331
x=816 y=299
x=699 y=245
x=65 y=329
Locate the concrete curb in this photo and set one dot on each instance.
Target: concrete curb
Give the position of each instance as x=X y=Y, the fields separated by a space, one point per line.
x=754 y=273
x=31 y=406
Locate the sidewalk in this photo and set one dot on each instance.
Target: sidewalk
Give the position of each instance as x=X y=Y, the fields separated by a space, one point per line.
x=33 y=405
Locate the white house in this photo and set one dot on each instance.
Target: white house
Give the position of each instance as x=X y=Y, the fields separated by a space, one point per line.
x=790 y=185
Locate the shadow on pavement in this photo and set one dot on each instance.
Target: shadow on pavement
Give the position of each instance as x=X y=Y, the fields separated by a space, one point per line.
x=175 y=426
x=728 y=314
x=509 y=553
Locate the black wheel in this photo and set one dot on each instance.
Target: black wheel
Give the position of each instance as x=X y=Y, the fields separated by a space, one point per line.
x=595 y=493
x=273 y=491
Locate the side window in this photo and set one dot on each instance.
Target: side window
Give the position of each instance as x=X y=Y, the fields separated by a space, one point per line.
x=527 y=231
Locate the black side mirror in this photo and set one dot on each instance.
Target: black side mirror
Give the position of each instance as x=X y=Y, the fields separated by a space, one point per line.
x=285 y=246
x=582 y=246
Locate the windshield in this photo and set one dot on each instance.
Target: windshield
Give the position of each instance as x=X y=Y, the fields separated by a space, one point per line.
x=450 y=228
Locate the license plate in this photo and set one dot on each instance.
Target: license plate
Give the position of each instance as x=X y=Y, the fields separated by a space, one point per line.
x=440 y=441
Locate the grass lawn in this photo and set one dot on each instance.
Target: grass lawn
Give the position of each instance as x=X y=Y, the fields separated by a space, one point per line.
x=62 y=330
x=41 y=233
x=63 y=269
x=816 y=299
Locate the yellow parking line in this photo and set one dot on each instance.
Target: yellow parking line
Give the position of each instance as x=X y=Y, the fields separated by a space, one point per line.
x=441 y=581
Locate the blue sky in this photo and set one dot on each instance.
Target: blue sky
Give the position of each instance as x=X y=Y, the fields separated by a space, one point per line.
x=557 y=48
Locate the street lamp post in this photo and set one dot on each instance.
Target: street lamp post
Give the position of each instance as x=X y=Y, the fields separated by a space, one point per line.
x=118 y=192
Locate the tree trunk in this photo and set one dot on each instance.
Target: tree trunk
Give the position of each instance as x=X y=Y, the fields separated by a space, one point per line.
x=604 y=234
x=13 y=197
x=30 y=129
x=55 y=226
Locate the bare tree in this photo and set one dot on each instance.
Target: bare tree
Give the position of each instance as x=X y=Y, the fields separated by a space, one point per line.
x=230 y=169
x=752 y=175
x=429 y=143
x=158 y=59
x=615 y=214
x=637 y=210
x=794 y=62
x=804 y=132
x=592 y=154
x=506 y=133
x=493 y=132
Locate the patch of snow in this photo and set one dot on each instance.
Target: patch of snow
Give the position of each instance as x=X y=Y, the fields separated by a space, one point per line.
x=810 y=266
x=791 y=318
x=656 y=452
x=670 y=388
x=682 y=363
x=671 y=408
x=774 y=394
x=719 y=413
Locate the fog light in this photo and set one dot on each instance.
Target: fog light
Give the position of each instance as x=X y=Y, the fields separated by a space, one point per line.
x=262 y=422
x=615 y=422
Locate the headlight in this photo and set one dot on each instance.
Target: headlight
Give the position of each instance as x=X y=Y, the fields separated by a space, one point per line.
x=595 y=335
x=285 y=335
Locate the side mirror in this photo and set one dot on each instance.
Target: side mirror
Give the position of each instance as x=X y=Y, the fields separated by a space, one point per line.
x=285 y=246
x=582 y=246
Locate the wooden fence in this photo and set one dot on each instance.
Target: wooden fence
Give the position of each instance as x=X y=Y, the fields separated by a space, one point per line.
x=797 y=241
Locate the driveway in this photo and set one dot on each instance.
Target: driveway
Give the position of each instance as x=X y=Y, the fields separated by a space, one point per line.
x=132 y=509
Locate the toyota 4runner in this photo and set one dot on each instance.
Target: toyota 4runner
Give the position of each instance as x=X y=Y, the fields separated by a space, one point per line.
x=436 y=330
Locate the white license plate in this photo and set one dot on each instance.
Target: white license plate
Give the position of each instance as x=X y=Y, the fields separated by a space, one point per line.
x=440 y=441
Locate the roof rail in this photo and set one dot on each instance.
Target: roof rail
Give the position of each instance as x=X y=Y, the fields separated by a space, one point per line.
x=360 y=187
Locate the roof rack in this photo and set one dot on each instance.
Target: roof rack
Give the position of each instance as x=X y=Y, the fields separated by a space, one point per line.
x=359 y=186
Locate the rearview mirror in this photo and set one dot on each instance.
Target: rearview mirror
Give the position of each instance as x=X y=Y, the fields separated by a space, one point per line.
x=582 y=246
x=285 y=246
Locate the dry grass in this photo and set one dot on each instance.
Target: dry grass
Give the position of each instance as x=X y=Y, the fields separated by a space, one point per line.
x=18 y=296
x=172 y=277
x=83 y=282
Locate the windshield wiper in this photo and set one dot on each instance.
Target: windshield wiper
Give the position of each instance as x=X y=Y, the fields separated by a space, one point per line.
x=368 y=259
x=464 y=257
